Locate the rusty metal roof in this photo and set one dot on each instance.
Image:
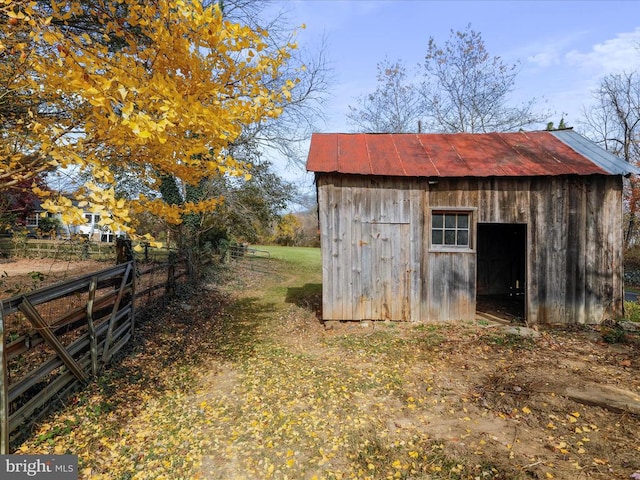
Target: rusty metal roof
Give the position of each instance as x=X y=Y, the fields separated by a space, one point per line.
x=463 y=155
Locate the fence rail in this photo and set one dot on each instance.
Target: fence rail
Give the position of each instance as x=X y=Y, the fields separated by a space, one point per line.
x=76 y=248
x=54 y=340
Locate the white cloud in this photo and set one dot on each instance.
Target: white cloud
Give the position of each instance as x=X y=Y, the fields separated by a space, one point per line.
x=565 y=76
x=618 y=54
x=547 y=50
x=545 y=59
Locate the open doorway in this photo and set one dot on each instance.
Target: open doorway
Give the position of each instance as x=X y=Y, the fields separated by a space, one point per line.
x=501 y=250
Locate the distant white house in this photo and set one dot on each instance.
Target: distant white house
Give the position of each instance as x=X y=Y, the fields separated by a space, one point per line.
x=91 y=228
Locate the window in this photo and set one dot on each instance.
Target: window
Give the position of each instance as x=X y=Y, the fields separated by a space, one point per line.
x=92 y=218
x=450 y=229
x=32 y=220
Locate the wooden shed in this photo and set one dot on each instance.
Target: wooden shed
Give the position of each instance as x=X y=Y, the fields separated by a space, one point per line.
x=434 y=227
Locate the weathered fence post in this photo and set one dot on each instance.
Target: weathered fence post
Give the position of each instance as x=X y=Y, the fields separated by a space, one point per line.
x=170 y=288
x=124 y=252
x=26 y=406
x=4 y=392
x=93 y=338
x=106 y=354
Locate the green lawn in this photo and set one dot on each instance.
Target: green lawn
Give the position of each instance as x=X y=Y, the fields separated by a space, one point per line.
x=307 y=257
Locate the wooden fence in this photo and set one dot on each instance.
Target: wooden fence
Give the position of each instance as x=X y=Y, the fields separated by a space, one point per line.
x=76 y=248
x=54 y=340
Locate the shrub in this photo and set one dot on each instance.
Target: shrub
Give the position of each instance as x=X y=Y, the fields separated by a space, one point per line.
x=632 y=258
x=632 y=311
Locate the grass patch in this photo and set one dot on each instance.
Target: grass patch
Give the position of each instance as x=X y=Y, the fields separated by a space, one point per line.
x=246 y=383
x=303 y=256
x=508 y=340
x=632 y=311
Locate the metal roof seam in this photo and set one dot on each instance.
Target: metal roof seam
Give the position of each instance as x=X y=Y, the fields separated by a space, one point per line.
x=445 y=155
x=502 y=170
x=366 y=143
x=458 y=154
x=395 y=147
x=426 y=152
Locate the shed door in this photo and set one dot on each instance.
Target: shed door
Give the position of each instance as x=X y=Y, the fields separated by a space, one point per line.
x=385 y=272
x=502 y=269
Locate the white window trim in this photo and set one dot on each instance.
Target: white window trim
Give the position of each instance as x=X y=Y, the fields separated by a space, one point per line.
x=29 y=220
x=471 y=211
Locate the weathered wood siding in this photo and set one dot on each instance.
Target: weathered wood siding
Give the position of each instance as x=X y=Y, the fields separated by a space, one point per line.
x=371 y=239
x=378 y=262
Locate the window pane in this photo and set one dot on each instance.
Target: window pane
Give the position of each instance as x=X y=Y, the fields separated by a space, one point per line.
x=449 y=237
x=451 y=229
x=450 y=220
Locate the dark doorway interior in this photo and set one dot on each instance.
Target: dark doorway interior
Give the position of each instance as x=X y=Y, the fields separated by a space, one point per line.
x=502 y=270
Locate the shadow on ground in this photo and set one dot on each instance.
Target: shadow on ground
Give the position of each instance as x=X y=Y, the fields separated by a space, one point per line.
x=309 y=297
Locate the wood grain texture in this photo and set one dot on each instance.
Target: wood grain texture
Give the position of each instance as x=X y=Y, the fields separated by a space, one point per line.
x=375 y=233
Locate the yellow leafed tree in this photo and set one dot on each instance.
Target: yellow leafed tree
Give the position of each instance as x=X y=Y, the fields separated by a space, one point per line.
x=154 y=89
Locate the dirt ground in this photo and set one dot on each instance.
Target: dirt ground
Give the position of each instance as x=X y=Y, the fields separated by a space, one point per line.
x=276 y=393
x=459 y=400
x=23 y=274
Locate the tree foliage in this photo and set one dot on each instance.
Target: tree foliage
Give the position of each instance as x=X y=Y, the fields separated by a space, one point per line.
x=289 y=231
x=463 y=89
x=250 y=208
x=285 y=136
x=182 y=86
x=562 y=125
x=18 y=202
x=467 y=90
x=395 y=106
x=613 y=121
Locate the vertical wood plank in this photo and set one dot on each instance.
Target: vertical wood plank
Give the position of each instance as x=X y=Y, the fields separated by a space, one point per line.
x=93 y=341
x=417 y=247
x=356 y=246
x=345 y=245
x=4 y=390
x=591 y=253
x=556 y=227
x=401 y=294
x=106 y=354
x=326 y=244
x=338 y=267
x=132 y=296
x=366 y=287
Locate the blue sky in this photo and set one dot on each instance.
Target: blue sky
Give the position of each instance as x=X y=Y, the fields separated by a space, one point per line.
x=564 y=48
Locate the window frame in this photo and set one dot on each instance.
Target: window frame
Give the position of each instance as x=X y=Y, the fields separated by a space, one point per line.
x=32 y=220
x=442 y=247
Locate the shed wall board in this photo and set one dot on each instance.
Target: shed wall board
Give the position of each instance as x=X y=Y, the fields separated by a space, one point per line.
x=574 y=246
